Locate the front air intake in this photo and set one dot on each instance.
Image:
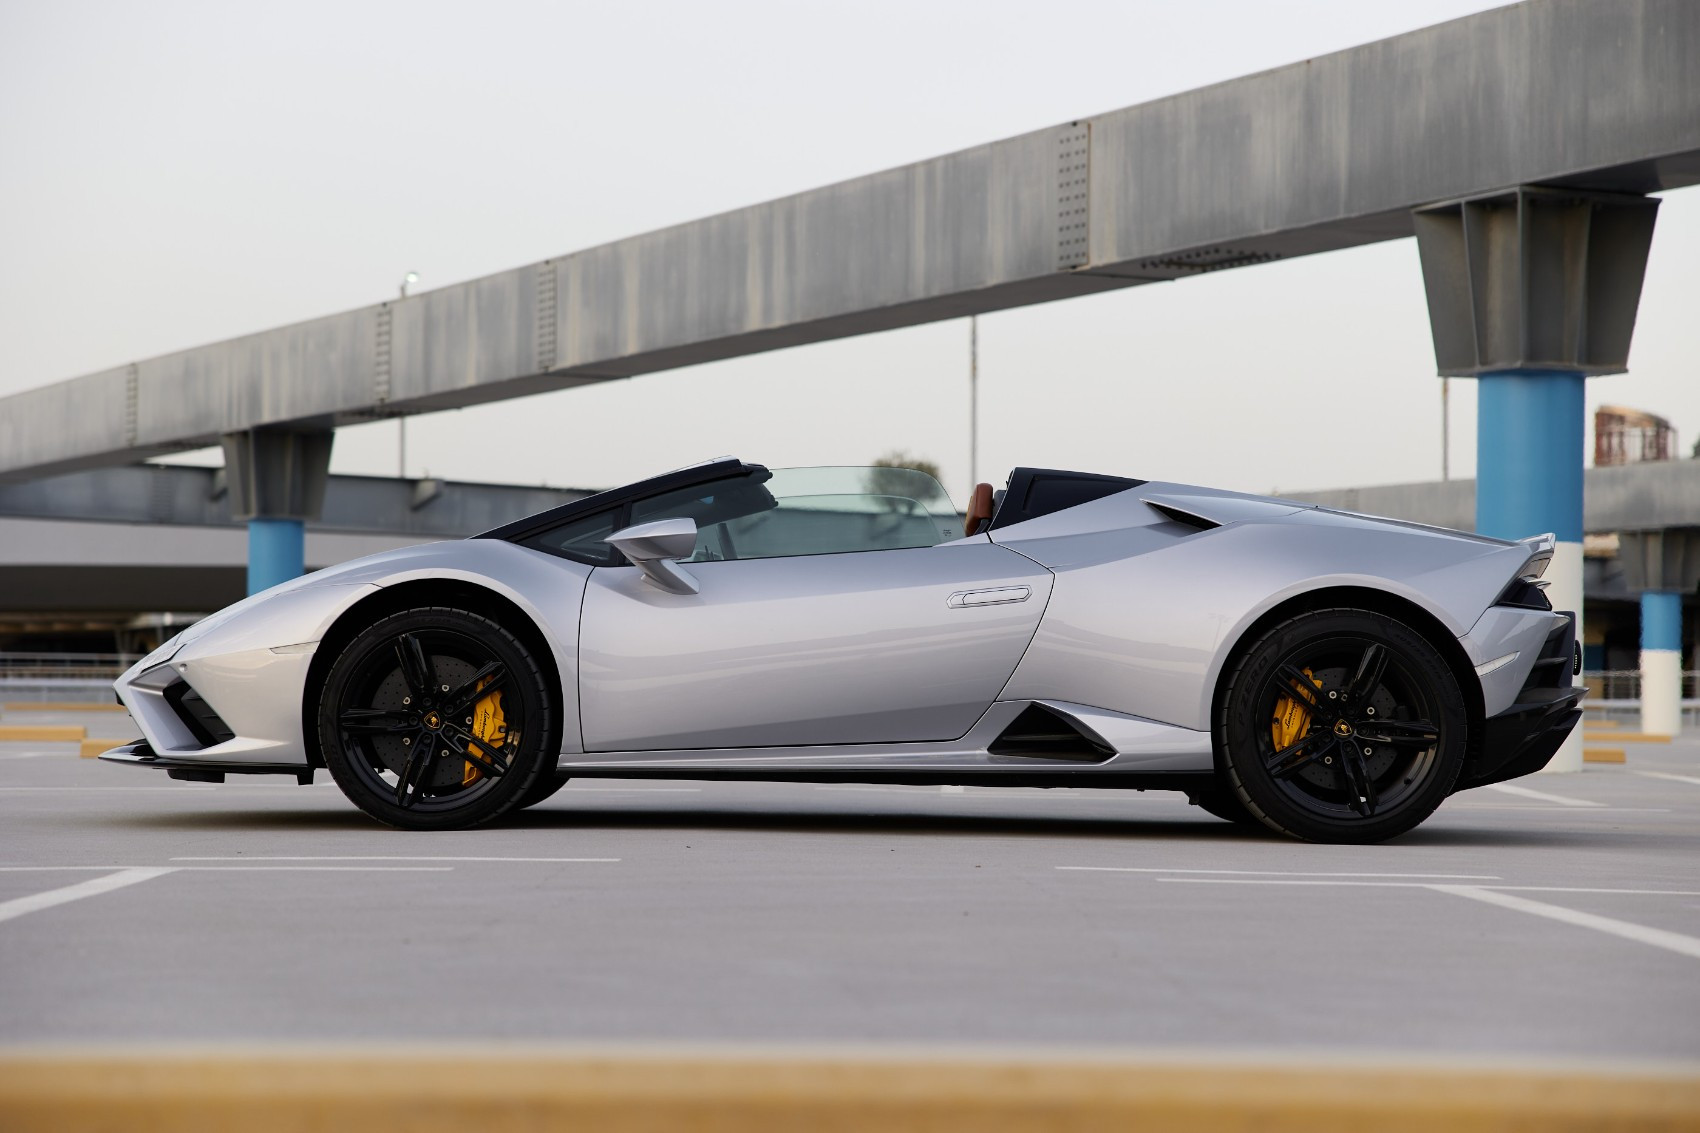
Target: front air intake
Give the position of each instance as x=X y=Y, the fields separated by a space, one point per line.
x=207 y=726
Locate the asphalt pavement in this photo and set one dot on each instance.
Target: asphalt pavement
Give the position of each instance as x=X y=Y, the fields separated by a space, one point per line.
x=1558 y=916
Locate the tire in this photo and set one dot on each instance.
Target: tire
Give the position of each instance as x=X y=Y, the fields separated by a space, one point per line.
x=1368 y=753
x=1222 y=803
x=438 y=719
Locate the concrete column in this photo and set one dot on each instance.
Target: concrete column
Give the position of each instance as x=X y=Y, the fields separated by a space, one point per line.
x=1529 y=437
x=1530 y=291
x=1661 y=662
x=277 y=480
x=277 y=552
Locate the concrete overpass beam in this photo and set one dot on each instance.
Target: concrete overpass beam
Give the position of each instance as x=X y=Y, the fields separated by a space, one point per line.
x=1531 y=291
x=277 y=481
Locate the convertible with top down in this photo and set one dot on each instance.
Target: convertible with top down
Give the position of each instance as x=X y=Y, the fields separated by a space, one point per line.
x=1330 y=676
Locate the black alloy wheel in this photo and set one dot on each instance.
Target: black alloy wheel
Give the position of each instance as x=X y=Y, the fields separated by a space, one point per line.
x=1341 y=726
x=438 y=719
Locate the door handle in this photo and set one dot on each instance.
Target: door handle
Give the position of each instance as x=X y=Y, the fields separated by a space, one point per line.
x=992 y=596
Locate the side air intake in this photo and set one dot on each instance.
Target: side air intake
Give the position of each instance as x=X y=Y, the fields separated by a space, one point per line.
x=1043 y=734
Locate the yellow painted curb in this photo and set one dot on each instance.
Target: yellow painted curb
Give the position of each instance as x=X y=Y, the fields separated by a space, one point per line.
x=57 y=733
x=1604 y=755
x=439 y=1090
x=1627 y=737
x=92 y=748
x=60 y=706
x=1603 y=724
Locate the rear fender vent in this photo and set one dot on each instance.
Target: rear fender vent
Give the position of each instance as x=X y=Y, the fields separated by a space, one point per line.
x=1168 y=511
x=1043 y=734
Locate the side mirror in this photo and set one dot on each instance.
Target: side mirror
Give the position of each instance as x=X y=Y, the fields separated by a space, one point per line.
x=654 y=548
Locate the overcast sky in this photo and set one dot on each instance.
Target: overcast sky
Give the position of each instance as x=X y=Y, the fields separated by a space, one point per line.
x=172 y=174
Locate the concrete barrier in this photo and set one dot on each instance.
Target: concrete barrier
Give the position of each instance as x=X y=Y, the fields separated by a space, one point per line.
x=892 y=1090
x=1627 y=737
x=60 y=706
x=49 y=733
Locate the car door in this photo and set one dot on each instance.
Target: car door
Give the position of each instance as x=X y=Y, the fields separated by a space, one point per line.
x=885 y=645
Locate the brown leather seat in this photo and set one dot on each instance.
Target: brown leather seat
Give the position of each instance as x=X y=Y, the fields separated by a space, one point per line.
x=980 y=505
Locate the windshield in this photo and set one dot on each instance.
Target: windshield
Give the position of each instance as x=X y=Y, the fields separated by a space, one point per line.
x=811 y=511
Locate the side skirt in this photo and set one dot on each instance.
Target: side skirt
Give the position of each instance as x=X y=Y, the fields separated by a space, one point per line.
x=1187 y=781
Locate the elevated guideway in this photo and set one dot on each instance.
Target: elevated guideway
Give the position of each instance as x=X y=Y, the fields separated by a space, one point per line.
x=1332 y=152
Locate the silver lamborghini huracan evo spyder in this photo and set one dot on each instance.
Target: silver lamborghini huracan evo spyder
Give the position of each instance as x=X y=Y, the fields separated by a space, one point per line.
x=1330 y=676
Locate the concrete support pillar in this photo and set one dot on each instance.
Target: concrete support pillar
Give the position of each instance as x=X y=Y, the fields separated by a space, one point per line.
x=1529 y=437
x=1530 y=291
x=277 y=482
x=277 y=552
x=1661 y=662
x=1663 y=565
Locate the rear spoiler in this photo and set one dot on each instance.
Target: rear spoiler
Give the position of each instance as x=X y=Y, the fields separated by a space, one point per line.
x=1541 y=548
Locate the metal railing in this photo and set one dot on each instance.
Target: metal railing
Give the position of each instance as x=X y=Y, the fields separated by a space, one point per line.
x=64 y=666
x=1625 y=684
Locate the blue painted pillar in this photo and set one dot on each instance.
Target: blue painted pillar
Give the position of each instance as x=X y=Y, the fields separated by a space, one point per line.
x=1661 y=662
x=1529 y=431
x=1529 y=435
x=276 y=479
x=277 y=552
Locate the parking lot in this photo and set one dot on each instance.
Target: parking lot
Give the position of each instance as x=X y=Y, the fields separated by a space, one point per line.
x=1555 y=916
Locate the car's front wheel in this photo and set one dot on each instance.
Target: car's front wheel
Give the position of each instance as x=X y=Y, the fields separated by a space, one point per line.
x=438 y=719
x=1341 y=725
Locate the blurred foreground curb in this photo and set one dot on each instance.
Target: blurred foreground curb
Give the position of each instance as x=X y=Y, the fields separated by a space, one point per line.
x=496 y=1088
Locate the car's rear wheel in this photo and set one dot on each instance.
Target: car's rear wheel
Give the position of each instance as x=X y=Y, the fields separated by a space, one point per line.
x=438 y=719
x=1341 y=726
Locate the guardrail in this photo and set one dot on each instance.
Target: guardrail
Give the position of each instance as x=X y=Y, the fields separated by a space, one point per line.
x=1625 y=684
x=64 y=666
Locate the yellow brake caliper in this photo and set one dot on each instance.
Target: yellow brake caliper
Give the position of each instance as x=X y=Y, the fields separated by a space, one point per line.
x=490 y=724
x=1292 y=718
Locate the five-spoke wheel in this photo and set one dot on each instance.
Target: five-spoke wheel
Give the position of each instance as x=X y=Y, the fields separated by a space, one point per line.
x=436 y=719
x=1341 y=726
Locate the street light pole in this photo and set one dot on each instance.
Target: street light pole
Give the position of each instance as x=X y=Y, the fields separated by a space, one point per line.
x=407 y=281
x=1446 y=428
x=973 y=401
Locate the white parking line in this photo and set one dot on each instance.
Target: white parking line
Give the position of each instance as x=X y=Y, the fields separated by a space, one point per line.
x=1496 y=895
x=1657 y=937
x=639 y=790
x=1668 y=775
x=1538 y=808
x=131 y=875
x=1276 y=872
x=120 y=790
x=233 y=868
x=374 y=858
x=1541 y=796
x=93 y=887
x=1432 y=885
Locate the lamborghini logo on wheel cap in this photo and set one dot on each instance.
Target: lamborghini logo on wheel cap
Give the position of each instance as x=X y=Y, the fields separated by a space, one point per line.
x=1341 y=728
x=433 y=721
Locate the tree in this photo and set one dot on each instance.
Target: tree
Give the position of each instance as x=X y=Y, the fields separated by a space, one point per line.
x=890 y=475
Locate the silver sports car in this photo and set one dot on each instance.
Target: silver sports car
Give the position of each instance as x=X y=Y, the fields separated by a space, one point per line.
x=1327 y=675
